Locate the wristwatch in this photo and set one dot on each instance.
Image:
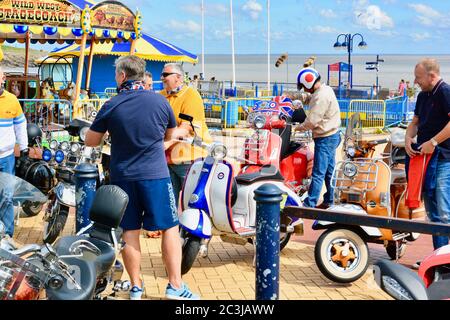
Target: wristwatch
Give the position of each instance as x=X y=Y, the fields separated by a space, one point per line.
x=434 y=142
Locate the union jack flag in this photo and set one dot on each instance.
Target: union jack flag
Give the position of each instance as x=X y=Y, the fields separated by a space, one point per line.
x=284 y=105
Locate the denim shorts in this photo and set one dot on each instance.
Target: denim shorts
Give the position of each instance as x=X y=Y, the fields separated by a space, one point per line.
x=151 y=205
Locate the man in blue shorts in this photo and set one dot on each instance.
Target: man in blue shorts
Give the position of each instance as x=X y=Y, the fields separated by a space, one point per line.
x=138 y=122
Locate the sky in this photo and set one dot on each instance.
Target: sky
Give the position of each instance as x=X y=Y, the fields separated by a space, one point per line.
x=301 y=26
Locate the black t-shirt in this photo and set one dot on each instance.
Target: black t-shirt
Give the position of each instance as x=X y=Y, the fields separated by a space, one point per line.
x=433 y=110
x=137 y=122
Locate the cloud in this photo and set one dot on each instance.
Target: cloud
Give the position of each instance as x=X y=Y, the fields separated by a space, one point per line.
x=211 y=9
x=252 y=8
x=328 y=13
x=428 y=16
x=372 y=17
x=322 y=29
x=189 y=27
x=417 y=37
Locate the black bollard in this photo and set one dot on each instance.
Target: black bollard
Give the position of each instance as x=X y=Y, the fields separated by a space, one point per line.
x=268 y=198
x=86 y=185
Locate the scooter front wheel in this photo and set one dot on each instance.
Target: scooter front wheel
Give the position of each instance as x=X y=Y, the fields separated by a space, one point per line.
x=56 y=221
x=190 y=250
x=396 y=250
x=341 y=255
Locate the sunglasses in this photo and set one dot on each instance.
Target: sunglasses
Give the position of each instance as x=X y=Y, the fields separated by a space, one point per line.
x=166 y=74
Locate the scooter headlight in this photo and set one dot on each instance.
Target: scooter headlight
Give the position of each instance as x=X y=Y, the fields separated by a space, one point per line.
x=64 y=146
x=259 y=122
x=59 y=156
x=47 y=155
x=219 y=151
x=350 y=170
x=53 y=144
x=351 y=152
x=75 y=148
x=83 y=132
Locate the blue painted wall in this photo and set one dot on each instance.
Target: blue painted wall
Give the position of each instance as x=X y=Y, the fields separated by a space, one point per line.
x=103 y=72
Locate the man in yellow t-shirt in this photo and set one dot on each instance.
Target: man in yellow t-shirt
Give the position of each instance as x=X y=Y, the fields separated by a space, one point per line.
x=183 y=99
x=13 y=130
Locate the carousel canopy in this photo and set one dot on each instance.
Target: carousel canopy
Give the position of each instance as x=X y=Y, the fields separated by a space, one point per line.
x=59 y=21
x=147 y=47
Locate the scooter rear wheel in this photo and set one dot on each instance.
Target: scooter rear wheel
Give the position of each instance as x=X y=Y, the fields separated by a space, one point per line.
x=341 y=255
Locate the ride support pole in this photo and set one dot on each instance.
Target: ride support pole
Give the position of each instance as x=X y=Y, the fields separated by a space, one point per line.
x=268 y=198
x=86 y=175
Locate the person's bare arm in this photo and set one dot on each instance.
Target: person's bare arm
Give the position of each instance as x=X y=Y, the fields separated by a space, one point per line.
x=411 y=133
x=428 y=148
x=93 y=139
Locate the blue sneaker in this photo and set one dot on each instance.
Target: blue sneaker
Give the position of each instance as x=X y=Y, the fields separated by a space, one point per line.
x=180 y=294
x=136 y=292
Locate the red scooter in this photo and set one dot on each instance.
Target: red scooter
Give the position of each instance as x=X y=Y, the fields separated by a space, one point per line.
x=431 y=283
x=273 y=144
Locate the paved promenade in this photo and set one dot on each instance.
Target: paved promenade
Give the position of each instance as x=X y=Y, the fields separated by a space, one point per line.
x=228 y=273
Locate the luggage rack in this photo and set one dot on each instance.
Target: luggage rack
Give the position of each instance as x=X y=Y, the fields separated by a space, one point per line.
x=370 y=168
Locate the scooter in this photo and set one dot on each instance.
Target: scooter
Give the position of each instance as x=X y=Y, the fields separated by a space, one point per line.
x=64 y=157
x=431 y=283
x=295 y=162
x=215 y=202
x=32 y=169
x=367 y=186
x=78 y=267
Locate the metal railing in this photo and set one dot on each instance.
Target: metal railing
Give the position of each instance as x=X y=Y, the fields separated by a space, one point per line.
x=47 y=113
x=88 y=108
x=372 y=112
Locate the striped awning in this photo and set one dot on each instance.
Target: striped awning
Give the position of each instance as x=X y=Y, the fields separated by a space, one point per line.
x=147 y=47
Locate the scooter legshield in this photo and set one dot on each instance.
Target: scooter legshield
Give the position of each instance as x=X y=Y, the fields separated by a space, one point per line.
x=197 y=223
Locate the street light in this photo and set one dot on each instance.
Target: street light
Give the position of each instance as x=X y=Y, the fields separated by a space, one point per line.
x=348 y=43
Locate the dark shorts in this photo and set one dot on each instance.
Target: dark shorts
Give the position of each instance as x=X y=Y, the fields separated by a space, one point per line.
x=151 y=205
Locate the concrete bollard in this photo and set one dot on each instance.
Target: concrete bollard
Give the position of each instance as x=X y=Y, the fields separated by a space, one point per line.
x=268 y=198
x=86 y=184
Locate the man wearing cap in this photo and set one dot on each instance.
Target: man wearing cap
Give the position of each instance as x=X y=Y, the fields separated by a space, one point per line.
x=324 y=121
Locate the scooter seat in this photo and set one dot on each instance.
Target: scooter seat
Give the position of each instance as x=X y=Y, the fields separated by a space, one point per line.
x=267 y=172
x=85 y=275
x=103 y=262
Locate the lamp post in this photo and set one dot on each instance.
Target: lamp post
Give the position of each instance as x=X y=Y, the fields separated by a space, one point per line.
x=348 y=43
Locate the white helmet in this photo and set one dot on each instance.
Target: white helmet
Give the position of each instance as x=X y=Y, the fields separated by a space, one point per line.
x=307 y=78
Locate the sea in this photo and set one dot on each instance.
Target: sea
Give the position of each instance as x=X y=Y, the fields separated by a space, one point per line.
x=253 y=68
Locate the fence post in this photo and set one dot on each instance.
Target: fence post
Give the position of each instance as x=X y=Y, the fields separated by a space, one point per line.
x=268 y=198
x=86 y=175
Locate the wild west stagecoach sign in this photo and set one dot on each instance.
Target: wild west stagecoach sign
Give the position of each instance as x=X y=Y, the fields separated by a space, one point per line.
x=39 y=12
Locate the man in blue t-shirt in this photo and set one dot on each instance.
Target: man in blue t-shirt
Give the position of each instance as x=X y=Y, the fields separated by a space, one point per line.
x=432 y=126
x=139 y=121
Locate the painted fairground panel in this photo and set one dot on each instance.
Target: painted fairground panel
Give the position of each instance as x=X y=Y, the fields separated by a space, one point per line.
x=39 y=12
x=113 y=15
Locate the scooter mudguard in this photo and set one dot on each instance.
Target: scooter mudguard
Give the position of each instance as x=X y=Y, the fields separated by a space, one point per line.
x=65 y=193
x=348 y=208
x=439 y=258
x=190 y=183
x=196 y=222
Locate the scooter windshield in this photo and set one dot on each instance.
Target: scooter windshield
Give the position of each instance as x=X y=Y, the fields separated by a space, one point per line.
x=17 y=190
x=354 y=130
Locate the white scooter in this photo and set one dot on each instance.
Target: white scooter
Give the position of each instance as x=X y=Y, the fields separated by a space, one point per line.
x=215 y=202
